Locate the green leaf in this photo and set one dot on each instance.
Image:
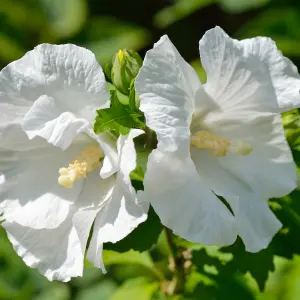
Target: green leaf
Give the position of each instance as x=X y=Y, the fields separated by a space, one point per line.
x=238 y=6
x=55 y=292
x=137 y=288
x=201 y=258
x=225 y=288
x=287 y=209
x=118 y=118
x=137 y=174
x=196 y=64
x=214 y=274
x=291 y=123
x=179 y=10
x=90 y=276
x=141 y=161
x=130 y=257
x=195 y=278
x=10 y=50
x=284 y=283
x=67 y=17
x=257 y=264
x=100 y=291
x=141 y=238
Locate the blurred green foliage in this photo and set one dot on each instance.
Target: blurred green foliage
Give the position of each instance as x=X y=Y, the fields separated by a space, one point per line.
x=105 y=26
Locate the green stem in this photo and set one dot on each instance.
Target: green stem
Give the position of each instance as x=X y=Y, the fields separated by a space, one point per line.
x=157 y=274
x=176 y=285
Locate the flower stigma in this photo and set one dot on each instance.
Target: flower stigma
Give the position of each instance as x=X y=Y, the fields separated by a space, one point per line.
x=87 y=161
x=218 y=146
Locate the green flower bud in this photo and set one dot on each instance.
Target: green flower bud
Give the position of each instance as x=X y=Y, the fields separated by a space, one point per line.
x=125 y=67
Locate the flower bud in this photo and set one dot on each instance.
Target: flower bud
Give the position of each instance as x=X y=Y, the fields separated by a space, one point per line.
x=125 y=67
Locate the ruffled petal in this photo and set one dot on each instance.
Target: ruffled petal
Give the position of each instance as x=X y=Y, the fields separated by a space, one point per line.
x=121 y=212
x=67 y=74
x=184 y=203
x=118 y=217
x=284 y=74
x=47 y=120
x=237 y=80
x=167 y=85
x=55 y=252
x=255 y=222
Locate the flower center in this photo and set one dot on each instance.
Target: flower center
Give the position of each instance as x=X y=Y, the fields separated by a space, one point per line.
x=218 y=146
x=86 y=162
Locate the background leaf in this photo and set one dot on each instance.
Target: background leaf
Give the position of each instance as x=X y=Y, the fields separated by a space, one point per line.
x=138 y=288
x=141 y=238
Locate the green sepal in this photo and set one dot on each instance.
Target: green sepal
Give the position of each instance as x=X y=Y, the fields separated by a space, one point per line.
x=125 y=67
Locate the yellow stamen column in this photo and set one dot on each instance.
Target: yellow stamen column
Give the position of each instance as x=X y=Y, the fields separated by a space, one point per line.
x=86 y=162
x=218 y=146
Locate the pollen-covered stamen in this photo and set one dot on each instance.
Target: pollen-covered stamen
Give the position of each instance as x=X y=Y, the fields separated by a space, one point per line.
x=241 y=148
x=218 y=146
x=213 y=144
x=86 y=162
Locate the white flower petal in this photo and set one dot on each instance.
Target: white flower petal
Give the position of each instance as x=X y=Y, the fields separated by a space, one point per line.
x=30 y=193
x=57 y=252
x=167 y=85
x=127 y=153
x=119 y=216
x=255 y=222
x=237 y=80
x=93 y=198
x=46 y=119
x=216 y=178
x=122 y=212
x=284 y=74
x=108 y=144
x=68 y=74
x=184 y=203
x=13 y=137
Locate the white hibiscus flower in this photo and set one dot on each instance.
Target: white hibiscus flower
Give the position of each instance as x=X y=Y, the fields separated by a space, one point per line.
x=50 y=159
x=221 y=138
